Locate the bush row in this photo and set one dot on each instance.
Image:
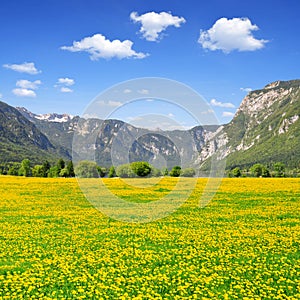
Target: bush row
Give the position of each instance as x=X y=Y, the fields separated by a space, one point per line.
x=89 y=169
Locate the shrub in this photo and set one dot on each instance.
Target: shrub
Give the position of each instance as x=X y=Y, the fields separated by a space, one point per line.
x=86 y=169
x=176 y=171
x=141 y=168
x=188 y=172
x=125 y=171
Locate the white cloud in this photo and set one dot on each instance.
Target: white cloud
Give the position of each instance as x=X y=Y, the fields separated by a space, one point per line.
x=23 y=68
x=110 y=103
x=26 y=84
x=25 y=88
x=231 y=34
x=143 y=92
x=24 y=93
x=100 y=47
x=207 y=112
x=247 y=90
x=214 y=102
x=153 y=24
x=66 y=81
x=64 y=89
x=227 y=114
x=90 y=116
x=170 y=115
x=134 y=119
x=127 y=91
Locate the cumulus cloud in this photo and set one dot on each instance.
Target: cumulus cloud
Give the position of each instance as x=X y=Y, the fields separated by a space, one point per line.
x=100 y=47
x=26 y=84
x=207 y=112
x=153 y=24
x=247 y=90
x=143 y=91
x=231 y=34
x=25 y=88
x=214 y=102
x=227 y=114
x=134 y=119
x=24 y=93
x=28 y=68
x=64 y=84
x=127 y=91
x=110 y=103
x=66 y=81
x=64 y=89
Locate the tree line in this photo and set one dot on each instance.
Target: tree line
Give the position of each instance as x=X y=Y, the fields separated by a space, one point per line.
x=277 y=169
x=25 y=168
x=89 y=169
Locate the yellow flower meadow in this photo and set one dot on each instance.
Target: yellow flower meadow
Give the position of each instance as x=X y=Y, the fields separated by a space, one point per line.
x=244 y=245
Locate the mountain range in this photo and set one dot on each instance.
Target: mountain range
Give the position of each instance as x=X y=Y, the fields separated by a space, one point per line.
x=265 y=129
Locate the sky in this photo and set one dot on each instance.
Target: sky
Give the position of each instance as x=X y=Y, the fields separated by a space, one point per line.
x=59 y=56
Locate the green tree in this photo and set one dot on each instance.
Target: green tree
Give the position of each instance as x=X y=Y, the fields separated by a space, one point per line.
x=188 y=172
x=86 y=169
x=176 y=171
x=46 y=168
x=64 y=172
x=265 y=172
x=38 y=171
x=125 y=171
x=141 y=168
x=70 y=169
x=53 y=172
x=25 y=169
x=165 y=172
x=256 y=170
x=60 y=164
x=236 y=172
x=112 y=172
x=279 y=169
x=14 y=169
x=259 y=170
x=102 y=171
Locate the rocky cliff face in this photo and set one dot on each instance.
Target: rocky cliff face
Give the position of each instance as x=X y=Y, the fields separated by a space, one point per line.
x=264 y=129
x=117 y=143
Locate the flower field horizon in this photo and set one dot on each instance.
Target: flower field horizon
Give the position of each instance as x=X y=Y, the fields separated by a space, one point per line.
x=245 y=244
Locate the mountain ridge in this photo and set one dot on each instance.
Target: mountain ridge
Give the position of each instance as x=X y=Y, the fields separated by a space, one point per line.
x=20 y=138
x=265 y=129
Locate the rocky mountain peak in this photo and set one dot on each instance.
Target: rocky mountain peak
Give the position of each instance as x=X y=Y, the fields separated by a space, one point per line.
x=272 y=84
x=50 y=117
x=259 y=102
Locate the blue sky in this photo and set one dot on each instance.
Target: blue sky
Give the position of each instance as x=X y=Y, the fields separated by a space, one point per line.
x=57 y=56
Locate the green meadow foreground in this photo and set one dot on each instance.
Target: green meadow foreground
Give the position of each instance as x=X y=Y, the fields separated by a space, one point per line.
x=244 y=245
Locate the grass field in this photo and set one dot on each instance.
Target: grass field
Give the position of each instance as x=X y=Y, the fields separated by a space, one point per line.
x=244 y=245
